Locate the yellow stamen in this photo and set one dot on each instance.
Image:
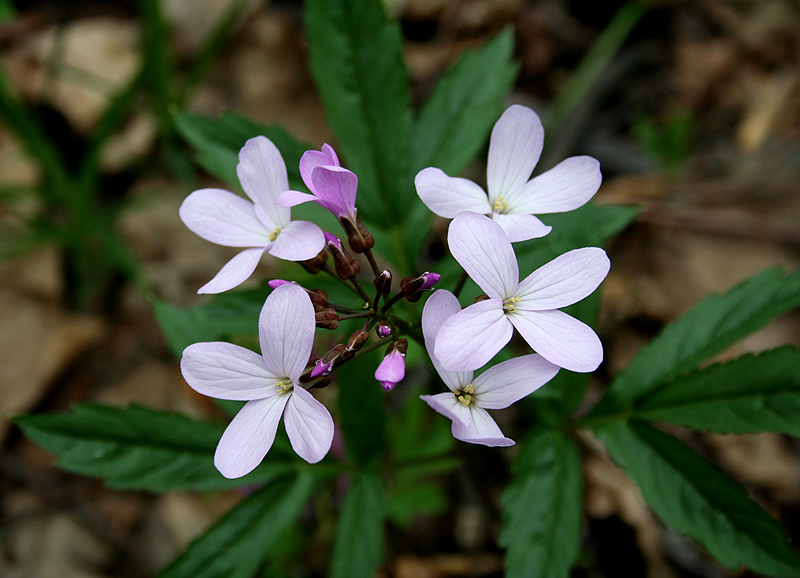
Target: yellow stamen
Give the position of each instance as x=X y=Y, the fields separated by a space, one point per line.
x=508 y=304
x=465 y=396
x=274 y=234
x=500 y=205
x=285 y=385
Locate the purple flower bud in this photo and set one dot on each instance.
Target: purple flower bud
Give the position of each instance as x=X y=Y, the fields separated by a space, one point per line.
x=275 y=283
x=393 y=367
x=331 y=239
x=383 y=329
x=337 y=355
x=346 y=265
x=412 y=287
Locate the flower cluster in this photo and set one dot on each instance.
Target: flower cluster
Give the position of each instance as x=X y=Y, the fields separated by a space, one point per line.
x=458 y=341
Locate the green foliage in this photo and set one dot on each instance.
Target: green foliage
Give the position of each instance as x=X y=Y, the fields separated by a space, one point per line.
x=695 y=498
x=542 y=508
x=141 y=449
x=238 y=543
x=358 y=548
x=361 y=413
x=667 y=144
x=753 y=393
x=356 y=60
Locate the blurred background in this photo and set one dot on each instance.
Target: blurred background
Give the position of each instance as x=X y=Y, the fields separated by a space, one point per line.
x=691 y=107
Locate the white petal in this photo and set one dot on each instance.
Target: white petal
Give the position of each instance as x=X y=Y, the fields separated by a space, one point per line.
x=521 y=227
x=484 y=251
x=565 y=280
x=508 y=382
x=560 y=339
x=448 y=196
x=293 y=198
x=235 y=272
x=227 y=371
x=567 y=186
x=249 y=436
x=309 y=426
x=262 y=173
x=286 y=330
x=438 y=308
x=470 y=338
x=447 y=405
x=223 y=218
x=514 y=149
x=482 y=430
x=299 y=241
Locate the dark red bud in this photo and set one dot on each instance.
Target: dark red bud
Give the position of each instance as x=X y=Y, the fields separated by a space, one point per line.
x=346 y=264
x=326 y=319
x=357 y=340
x=383 y=282
x=314 y=265
x=358 y=237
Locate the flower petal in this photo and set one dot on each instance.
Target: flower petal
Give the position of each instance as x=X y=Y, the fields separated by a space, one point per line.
x=262 y=173
x=471 y=337
x=447 y=405
x=293 y=198
x=335 y=188
x=508 y=382
x=439 y=308
x=481 y=430
x=226 y=371
x=448 y=196
x=309 y=426
x=299 y=241
x=514 y=149
x=235 y=272
x=568 y=185
x=286 y=330
x=249 y=436
x=391 y=370
x=484 y=251
x=313 y=159
x=560 y=339
x=521 y=227
x=223 y=218
x=565 y=280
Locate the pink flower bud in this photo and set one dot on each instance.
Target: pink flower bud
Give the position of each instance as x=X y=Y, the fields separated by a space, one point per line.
x=393 y=367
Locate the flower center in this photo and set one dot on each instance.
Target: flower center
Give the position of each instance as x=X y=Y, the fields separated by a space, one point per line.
x=274 y=234
x=465 y=396
x=500 y=205
x=508 y=304
x=285 y=385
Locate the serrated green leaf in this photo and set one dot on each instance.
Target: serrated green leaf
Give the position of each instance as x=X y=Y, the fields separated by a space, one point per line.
x=361 y=414
x=753 y=393
x=141 y=449
x=709 y=328
x=695 y=498
x=455 y=122
x=356 y=60
x=242 y=539
x=542 y=508
x=358 y=548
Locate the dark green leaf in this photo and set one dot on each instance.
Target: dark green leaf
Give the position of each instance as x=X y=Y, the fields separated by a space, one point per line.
x=358 y=548
x=542 y=508
x=361 y=414
x=356 y=60
x=455 y=122
x=242 y=539
x=695 y=498
x=753 y=393
x=141 y=449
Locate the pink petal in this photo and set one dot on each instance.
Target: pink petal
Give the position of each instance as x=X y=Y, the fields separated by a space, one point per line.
x=448 y=196
x=336 y=188
x=235 y=272
x=249 y=436
x=299 y=241
x=309 y=426
x=328 y=150
x=521 y=227
x=567 y=186
x=286 y=330
x=391 y=370
x=470 y=338
x=313 y=159
x=508 y=382
x=514 y=149
x=560 y=339
x=293 y=198
x=484 y=251
x=447 y=405
x=481 y=430
x=439 y=308
x=262 y=173
x=565 y=280
x=227 y=371
x=223 y=218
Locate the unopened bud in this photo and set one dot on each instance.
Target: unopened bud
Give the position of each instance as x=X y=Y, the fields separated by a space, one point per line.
x=346 y=264
x=383 y=282
x=357 y=340
x=324 y=382
x=326 y=318
x=383 y=330
x=319 y=299
x=314 y=265
x=358 y=237
x=412 y=287
x=393 y=367
x=337 y=355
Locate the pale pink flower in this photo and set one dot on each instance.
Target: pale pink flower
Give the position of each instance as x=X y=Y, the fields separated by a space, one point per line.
x=513 y=199
x=473 y=336
x=469 y=398
x=267 y=382
x=393 y=367
x=227 y=219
